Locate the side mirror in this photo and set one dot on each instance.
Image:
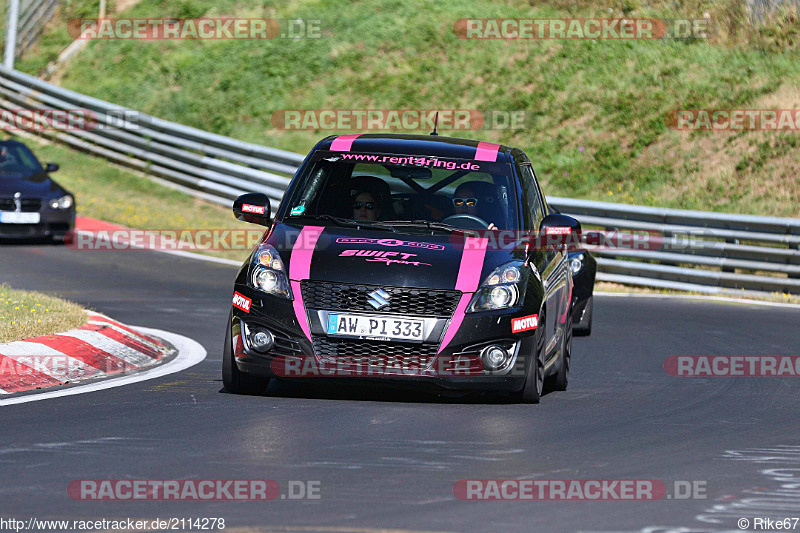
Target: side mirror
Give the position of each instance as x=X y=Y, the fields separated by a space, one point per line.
x=51 y=167
x=559 y=230
x=252 y=207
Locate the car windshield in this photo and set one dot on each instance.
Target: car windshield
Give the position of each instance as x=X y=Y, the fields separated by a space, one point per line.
x=15 y=158
x=403 y=190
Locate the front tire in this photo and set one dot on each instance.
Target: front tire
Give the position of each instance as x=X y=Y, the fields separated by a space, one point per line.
x=534 y=378
x=234 y=380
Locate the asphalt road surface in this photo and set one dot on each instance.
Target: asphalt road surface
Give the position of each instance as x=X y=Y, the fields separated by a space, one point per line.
x=388 y=459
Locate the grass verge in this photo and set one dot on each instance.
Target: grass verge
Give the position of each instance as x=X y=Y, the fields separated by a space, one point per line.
x=26 y=314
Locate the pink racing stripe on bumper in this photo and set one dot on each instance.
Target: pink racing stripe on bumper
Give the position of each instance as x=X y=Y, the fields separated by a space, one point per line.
x=487 y=152
x=300 y=269
x=300 y=309
x=343 y=143
x=469 y=277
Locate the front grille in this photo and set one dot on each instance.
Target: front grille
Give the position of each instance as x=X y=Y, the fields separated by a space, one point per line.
x=376 y=353
x=402 y=300
x=18 y=230
x=29 y=205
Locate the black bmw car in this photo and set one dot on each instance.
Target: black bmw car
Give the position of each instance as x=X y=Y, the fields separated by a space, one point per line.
x=583 y=266
x=32 y=205
x=406 y=257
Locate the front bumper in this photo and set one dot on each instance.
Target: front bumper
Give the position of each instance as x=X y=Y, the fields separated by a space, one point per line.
x=53 y=223
x=458 y=366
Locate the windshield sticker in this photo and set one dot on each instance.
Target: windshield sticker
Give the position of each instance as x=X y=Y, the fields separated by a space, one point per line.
x=389 y=242
x=418 y=161
x=383 y=257
x=298 y=210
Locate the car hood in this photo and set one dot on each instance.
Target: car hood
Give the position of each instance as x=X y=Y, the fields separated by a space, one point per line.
x=378 y=257
x=38 y=185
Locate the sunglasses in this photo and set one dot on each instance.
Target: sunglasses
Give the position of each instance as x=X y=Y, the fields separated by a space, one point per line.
x=366 y=205
x=470 y=202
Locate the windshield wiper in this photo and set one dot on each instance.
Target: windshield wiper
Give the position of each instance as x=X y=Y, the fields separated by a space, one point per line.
x=348 y=222
x=426 y=224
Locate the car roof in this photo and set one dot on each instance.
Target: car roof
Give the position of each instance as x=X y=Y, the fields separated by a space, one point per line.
x=429 y=145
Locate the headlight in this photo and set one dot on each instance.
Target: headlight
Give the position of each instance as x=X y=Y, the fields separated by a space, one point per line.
x=267 y=273
x=65 y=202
x=576 y=264
x=500 y=290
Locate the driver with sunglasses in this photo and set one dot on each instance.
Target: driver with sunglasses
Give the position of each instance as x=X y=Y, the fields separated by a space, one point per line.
x=469 y=199
x=365 y=206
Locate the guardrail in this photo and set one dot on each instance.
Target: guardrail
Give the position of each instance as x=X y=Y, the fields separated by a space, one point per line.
x=693 y=250
x=33 y=15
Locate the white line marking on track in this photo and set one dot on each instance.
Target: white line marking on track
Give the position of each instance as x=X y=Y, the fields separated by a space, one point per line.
x=190 y=353
x=718 y=299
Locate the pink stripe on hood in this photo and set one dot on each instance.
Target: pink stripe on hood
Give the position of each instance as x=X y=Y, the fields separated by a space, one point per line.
x=469 y=277
x=300 y=269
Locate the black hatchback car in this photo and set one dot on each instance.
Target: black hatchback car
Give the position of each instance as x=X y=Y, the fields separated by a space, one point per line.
x=408 y=258
x=32 y=205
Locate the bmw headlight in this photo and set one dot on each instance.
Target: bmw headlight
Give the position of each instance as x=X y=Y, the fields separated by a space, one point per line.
x=576 y=263
x=268 y=274
x=63 y=203
x=502 y=289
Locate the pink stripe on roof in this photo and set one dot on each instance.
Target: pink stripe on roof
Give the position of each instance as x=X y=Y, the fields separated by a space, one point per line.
x=343 y=143
x=487 y=152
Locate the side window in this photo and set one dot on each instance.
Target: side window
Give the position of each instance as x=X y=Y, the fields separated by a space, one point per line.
x=535 y=205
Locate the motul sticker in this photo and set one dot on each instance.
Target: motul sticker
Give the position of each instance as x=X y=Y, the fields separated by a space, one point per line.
x=248 y=208
x=241 y=302
x=524 y=324
x=557 y=230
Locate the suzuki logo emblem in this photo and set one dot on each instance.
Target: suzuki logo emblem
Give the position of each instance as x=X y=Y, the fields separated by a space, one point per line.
x=378 y=299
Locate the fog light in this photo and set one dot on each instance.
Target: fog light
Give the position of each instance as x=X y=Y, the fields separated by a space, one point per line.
x=261 y=340
x=494 y=357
